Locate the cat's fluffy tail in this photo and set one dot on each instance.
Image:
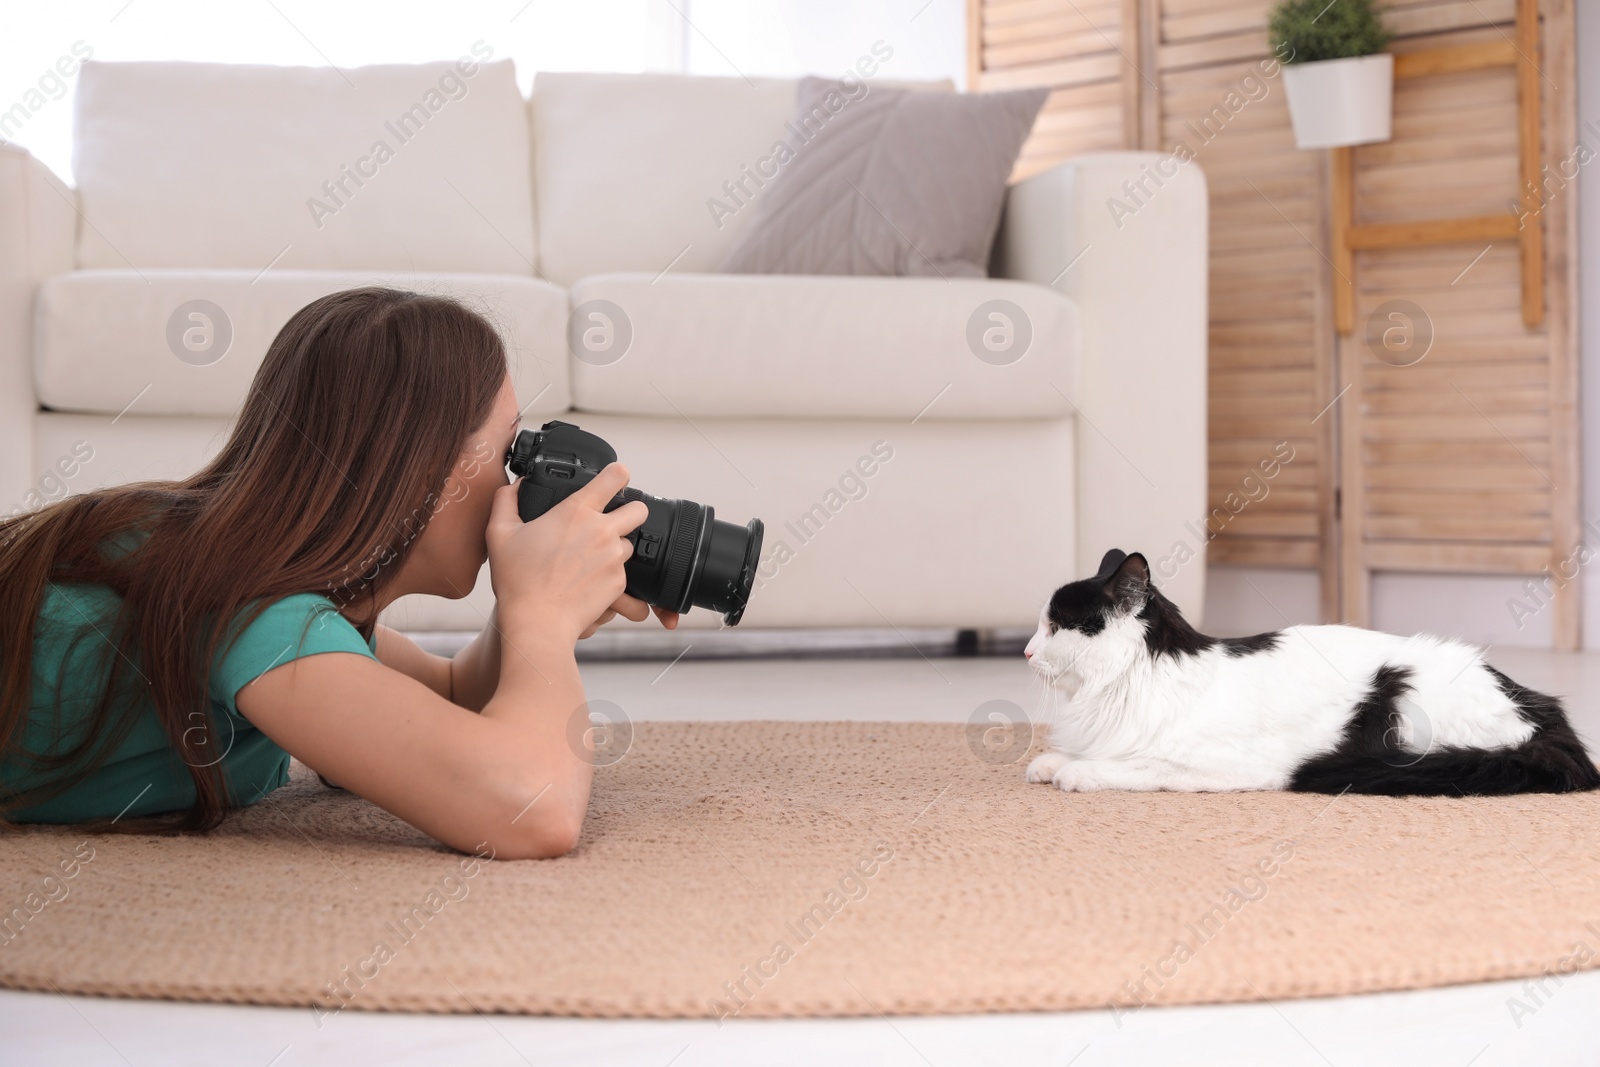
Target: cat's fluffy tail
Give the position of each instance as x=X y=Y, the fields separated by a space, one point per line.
x=1535 y=766
x=1553 y=760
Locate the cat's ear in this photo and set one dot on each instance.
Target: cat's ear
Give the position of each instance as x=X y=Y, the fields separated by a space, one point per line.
x=1110 y=562
x=1129 y=586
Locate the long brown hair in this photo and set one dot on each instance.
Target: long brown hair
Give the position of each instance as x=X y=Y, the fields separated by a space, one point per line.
x=359 y=411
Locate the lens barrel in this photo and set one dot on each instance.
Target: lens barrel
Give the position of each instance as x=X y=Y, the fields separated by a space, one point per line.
x=684 y=555
x=732 y=553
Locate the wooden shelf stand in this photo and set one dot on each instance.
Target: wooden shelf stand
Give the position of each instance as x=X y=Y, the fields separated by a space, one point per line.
x=1348 y=236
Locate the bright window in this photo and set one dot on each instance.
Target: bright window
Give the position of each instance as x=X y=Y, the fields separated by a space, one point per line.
x=753 y=38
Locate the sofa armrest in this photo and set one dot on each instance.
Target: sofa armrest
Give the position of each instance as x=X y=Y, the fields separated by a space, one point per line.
x=1123 y=234
x=38 y=219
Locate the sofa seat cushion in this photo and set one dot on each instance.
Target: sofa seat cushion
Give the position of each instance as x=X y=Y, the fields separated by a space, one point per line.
x=390 y=167
x=792 y=345
x=108 y=339
x=85 y=452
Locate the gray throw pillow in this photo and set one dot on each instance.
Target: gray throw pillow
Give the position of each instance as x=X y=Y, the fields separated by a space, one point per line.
x=886 y=181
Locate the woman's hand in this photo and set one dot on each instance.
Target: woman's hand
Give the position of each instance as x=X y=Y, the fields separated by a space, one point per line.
x=632 y=608
x=563 y=570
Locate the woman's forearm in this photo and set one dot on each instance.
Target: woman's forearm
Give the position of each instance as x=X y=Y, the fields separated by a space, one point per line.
x=475 y=670
x=548 y=748
x=395 y=649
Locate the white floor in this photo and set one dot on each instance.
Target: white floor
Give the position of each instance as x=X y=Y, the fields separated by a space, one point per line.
x=1450 y=1027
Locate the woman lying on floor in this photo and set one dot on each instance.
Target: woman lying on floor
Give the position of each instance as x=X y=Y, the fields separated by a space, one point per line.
x=159 y=642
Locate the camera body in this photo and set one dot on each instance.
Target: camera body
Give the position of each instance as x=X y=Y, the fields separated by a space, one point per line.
x=683 y=554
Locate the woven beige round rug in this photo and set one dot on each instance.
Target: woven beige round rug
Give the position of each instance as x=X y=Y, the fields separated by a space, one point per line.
x=767 y=869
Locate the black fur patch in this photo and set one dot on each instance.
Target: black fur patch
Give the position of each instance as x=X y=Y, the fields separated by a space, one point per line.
x=1168 y=633
x=1368 y=760
x=1122 y=583
x=1080 y=606
x=1086 y=606
x=1245 y=646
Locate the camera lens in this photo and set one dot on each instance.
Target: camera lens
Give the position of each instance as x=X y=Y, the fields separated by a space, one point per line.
x=684 y=555
x=732 y=553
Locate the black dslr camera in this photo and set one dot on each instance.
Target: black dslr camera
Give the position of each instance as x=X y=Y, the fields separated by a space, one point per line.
x=682 y=554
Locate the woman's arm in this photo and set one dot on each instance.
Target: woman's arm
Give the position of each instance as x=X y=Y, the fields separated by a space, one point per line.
x=516 y=776
x=398 y=651
x=508 y=778
x=475 y=670
x=469 y=678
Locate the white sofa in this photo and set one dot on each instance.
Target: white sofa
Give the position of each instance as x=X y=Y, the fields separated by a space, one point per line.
x=260 y=188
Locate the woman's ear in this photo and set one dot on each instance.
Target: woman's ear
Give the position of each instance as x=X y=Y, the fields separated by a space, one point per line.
x=1129 y=586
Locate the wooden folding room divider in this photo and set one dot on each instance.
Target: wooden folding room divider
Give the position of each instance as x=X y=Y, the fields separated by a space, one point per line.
x=1463 y=460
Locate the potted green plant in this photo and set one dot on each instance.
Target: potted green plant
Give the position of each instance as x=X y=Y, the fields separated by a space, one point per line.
x=1339 y=80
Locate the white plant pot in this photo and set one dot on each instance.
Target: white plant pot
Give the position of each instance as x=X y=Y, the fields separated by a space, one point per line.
x=1339 y=102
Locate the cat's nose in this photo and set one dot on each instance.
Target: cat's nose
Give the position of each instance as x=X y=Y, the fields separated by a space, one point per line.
x=1027 y=653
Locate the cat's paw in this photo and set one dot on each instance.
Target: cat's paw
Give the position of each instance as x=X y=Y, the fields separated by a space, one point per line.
x=1044 y=766
x=1077 y=776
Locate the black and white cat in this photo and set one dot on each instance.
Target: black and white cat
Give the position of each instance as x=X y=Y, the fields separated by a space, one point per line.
x=1152 y=704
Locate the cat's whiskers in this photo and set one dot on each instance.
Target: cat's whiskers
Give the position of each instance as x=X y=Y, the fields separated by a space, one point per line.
x=1044 y=711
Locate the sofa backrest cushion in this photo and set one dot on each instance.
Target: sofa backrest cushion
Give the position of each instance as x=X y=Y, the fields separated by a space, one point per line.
x=626 y=167
x=404 y=167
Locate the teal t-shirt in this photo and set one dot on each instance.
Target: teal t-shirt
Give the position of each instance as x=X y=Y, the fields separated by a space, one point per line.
x=144 y=774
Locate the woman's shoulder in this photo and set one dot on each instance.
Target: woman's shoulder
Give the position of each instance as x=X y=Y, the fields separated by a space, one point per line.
x=311 y=619
x=286 y=628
